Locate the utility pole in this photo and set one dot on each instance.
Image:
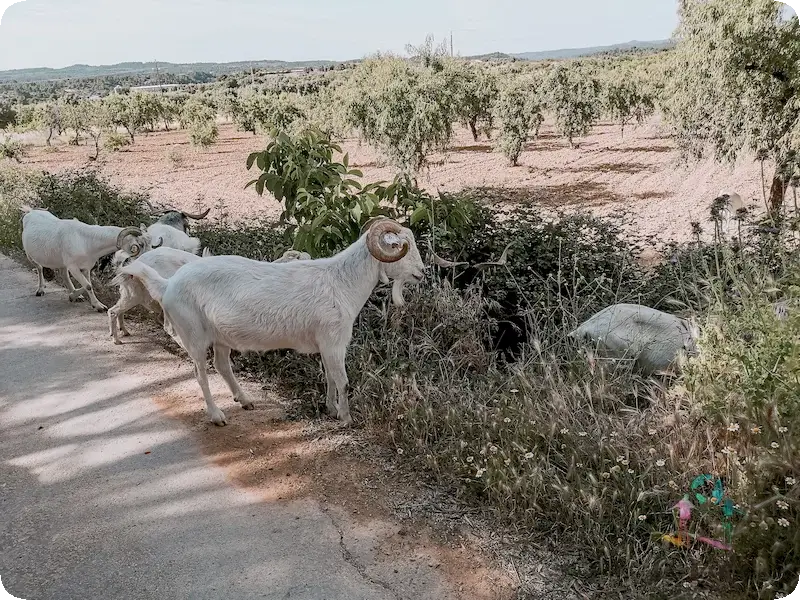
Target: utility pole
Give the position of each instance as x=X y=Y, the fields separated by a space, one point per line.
x=451 y=44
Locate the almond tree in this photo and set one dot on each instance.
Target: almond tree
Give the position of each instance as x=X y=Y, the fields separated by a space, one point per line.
x=734 y=84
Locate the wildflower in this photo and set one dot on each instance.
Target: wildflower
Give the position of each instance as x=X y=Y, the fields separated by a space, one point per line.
x=616 y=469
x=782 y=505
x=514 y=391
x=643 y=517
x=783 y=429
x=625 y=462
x=399 y=450
x=651 y=431
x=755 y=429
x=470 y=459
x=790 y=481
x=563 y=446
x=763 y=525
x=673 y=485
x=775 y=445
x=660 y=462
x=613 y=434
x=579 y=465
x=479 y=473
x=507 y=461
x=728 y=450
x=583 y=434
x=783 y=522
x=606 y=475
x=507 y=420
x=493 y=449
x=400 y=417
x=631 y=471
x=620 y=459
x=529 y=455
x=564 y=431
x=733 y=427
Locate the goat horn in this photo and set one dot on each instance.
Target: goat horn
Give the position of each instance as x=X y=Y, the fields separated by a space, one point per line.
x=365 y=227
x=160 y=243
x=197 y=217
x=126 y=232
x=387 y=253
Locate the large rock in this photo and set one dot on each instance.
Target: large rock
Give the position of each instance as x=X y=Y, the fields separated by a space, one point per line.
x=630 y=331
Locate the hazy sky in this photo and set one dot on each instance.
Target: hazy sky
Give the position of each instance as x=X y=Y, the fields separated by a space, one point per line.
x=58 y=33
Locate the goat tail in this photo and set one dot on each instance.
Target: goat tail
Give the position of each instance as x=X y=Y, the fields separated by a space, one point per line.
x=25 y=209
x=154 y=283
x=207 y=253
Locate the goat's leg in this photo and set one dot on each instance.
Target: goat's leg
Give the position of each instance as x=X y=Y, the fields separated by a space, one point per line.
x=330 y=390
x=115 y=316
x=222 y=363
x=70 y=287
x=334 y=364
x=40 y=272
x=86 y=289
x=217 y=416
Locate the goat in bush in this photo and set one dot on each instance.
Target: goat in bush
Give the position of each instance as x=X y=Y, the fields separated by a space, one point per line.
x=172 y=228
x=74 y=247
x=231 y=302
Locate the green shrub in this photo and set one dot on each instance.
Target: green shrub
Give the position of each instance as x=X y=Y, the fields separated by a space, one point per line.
x=12 y=150
x=116 y=141
x=203 y=133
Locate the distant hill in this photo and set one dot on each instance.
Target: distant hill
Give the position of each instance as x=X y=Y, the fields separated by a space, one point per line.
x=575 y=52
x=135 y=68
x=216 y=69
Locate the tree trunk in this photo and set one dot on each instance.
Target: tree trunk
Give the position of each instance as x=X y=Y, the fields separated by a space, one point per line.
x=777 y=191
x=130 y=133
x=473 y=128
x=49 y=136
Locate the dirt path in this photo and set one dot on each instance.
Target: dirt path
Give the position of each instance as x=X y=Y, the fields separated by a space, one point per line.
x=642 y=173
x=114 y=483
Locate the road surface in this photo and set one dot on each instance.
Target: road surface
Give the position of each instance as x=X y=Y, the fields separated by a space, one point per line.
x=103 y=497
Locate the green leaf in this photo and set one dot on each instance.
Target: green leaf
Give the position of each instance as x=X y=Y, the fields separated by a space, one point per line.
x=251 y=159
x=419 y=214
x=346 y=160
x=356 y=211
x=260 y=187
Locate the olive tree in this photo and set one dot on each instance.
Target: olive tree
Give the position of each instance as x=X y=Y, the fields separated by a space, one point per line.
x=405 y=110
x=476 y=96
x=125 y=111
x=626 y=101
x=519 y=112
x=734 y=84
x=573 y=98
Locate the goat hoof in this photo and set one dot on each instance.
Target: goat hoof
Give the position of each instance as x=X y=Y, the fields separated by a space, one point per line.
x=40 y=292
x=248 y=405
x=348 y=420
x=118 y=342
x=100 y=308
x=219 y=419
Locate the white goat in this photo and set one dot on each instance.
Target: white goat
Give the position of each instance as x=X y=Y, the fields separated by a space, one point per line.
x=166 y=262
x=172 y=228
x=74 y=248
x=230 y=302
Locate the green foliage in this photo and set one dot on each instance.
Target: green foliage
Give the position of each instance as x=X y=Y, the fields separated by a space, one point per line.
x=126 y=111
x=405 y=111
x=12 y=150
x=18 y=186
x=519 y=112
x=625 y=101
x=475 y=97
x=116 y=142
x=8 y=115
x=203 y=133
x=733 y=84
x=428 y=54
x=573 y=97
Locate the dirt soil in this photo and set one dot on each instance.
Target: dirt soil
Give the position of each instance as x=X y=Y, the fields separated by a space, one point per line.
x=642 y=173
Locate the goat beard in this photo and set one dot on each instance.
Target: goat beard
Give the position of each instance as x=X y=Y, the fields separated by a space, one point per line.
x=397 y=293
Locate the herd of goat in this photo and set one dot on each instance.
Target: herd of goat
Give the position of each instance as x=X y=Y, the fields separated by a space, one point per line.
x=235 y=303
x=230 y=302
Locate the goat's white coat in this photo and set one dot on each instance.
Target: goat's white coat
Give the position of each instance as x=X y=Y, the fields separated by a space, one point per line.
x=650 y=337
x=230 y=302
x=70 y=246
x=174 y=238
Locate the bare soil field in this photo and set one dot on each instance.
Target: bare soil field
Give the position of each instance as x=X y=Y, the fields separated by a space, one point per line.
x=641 y=173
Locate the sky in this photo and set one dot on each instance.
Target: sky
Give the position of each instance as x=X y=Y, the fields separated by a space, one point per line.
x=59 y=33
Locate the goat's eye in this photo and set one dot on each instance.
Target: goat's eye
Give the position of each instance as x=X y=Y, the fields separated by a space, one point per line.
x=135 y=249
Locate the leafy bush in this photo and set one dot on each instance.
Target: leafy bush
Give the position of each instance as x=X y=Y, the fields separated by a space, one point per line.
x=12 y=149
x=573 y=97
x=203 y=133
x=115 y=141
x=625 y=101
x=519 y=112
x=405 y=111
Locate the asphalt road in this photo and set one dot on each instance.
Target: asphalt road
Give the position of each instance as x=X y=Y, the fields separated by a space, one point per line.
x=103 y=497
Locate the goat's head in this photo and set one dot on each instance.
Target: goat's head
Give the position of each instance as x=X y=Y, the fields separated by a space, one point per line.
x=132 y=242
x=179 y=219
x=395 y=247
